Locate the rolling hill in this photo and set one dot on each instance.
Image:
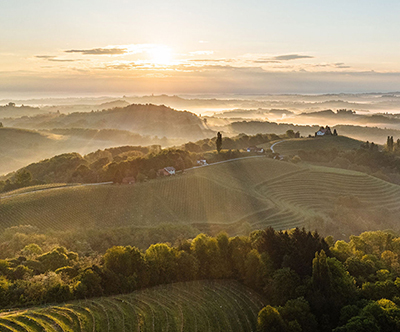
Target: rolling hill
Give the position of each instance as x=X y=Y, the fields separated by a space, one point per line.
x=191 y=306
x=149 y=120
x=292 y=146
x=19 y=147
x=254 y=192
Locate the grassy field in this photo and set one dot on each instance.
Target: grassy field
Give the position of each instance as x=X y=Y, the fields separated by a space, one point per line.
x=292 y=146
x=258 y=191
x=192 y=306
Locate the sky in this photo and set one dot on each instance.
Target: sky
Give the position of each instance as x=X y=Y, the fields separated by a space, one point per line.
x=91 y=47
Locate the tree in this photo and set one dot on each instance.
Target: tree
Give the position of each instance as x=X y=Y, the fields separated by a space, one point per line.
x=219 y=142
x=1 y=125
x=389 y=143
x=270 y=320
x=152 y=174
x=162 y=263
x=290 y=133
x=117 y=176
x=298 y=313
x=23 y=177
x=141 y=177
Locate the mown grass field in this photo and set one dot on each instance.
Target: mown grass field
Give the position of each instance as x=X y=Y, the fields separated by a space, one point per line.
x=191 y=306
x=257 y=191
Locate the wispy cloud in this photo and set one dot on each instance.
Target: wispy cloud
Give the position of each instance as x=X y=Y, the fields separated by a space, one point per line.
x=211 y=60
x=201 y=53
x=62 y=60
x=45 y=56
x=53 y=58
x=266 y=61
x=289 y=57
x=100 y=51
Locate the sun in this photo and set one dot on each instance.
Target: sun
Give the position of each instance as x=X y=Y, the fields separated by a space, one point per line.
x=161 y=55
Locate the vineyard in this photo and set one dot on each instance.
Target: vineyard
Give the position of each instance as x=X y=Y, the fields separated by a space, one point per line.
x=192 y=306
x=292 y=146
x=258 y=191
x=220 y=193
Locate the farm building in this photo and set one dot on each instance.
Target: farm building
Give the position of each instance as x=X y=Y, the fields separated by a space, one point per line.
x=166 y=171
x=128 y=180
x=255 y=149
x=324 y=131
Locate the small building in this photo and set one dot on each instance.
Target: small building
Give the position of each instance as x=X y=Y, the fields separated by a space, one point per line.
x=166 y=171
x=202 y=162
x=128 y=180
x=324 y=131
x=255 y=149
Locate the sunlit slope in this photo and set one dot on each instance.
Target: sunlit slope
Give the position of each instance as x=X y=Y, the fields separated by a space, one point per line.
x=292 y=146
x=214 y=194
x=257 y=191
x=319 y=190
x=192 y=306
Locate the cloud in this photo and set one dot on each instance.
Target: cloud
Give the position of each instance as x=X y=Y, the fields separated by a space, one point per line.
x=339 y=65
x=208 y=80
x=201 y=53
x=100 y=51
x=266 y=61
x=121 y=66
x=44 y=56
x=289 y=57
x=212 y=60
x=54 y=58
x=61 y=60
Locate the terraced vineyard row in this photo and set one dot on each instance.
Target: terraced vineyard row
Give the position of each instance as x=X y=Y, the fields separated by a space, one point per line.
x=316 y=190
x=204 y=195
x=26 y=190
x=258 y=191
x=246 y=173
x=292 y=146
x=192 y=306
x=182 y=199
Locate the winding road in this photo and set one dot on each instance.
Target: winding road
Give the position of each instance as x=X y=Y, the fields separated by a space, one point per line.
x=272 y=146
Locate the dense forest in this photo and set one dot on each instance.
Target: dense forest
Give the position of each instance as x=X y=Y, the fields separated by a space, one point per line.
x=311 y=283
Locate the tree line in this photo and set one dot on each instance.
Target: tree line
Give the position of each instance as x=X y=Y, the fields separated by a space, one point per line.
x=141 y=163
x=311 y=283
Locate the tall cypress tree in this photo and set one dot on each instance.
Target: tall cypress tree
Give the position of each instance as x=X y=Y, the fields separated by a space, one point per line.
x=219 y=142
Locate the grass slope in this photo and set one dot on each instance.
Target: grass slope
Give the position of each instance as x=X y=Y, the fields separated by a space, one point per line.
x=191 y=306
x=226 y=196
x=292 y=146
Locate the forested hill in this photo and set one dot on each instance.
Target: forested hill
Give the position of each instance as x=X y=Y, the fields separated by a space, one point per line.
x=145 y=119
x=20 y=147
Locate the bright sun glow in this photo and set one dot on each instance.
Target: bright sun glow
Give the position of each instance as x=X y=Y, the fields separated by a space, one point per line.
x=161 y=55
